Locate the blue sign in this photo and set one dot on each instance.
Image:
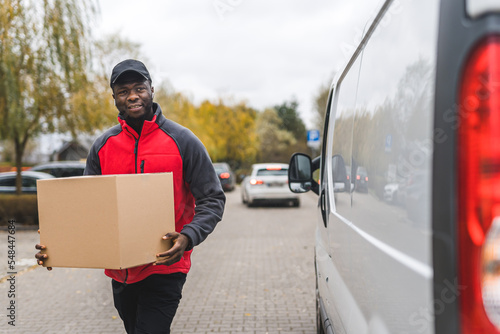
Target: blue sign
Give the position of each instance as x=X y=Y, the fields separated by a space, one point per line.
x=313 y=138
x=313 y=135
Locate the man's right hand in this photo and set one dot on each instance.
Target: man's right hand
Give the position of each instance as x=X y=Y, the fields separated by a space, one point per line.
x=39 y=256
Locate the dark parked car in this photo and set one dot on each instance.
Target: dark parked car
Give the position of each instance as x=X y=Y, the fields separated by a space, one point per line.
x=61 y=168
x=361 y=180
x=8 y=181
x=226 y=176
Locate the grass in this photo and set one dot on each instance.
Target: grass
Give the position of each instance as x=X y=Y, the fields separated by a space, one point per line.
x=22 y=208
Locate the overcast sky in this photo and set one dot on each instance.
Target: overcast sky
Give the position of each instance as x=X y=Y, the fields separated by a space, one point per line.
x=263 y=52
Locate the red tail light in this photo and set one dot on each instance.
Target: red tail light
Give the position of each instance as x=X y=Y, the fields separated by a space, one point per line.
x=479 y=190
x=224 y=175
x=254 y=182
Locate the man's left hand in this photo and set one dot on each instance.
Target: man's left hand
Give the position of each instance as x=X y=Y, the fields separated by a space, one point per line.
x=174 y=254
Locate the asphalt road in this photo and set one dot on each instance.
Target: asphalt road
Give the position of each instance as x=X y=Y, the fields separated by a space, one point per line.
x=254 y=274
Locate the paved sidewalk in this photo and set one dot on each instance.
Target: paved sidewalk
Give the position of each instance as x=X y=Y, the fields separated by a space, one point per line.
x=61 y=301
x=254 y=274
x=24 y=248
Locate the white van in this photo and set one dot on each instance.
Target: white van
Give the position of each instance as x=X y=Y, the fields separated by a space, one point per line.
x=417 y=109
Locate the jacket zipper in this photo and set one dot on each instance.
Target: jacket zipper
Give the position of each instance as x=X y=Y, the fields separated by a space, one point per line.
x=136 y=153
x=135 y=148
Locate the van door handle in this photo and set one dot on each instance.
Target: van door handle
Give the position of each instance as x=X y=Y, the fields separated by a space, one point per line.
x=322 y=199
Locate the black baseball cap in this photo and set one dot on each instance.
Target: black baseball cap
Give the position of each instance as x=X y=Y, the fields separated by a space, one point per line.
x=126 y=66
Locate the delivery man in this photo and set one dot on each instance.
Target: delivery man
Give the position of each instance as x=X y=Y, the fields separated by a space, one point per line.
x=144 y=141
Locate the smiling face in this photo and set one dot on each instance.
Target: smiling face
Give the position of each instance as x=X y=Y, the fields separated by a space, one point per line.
x=133 y=96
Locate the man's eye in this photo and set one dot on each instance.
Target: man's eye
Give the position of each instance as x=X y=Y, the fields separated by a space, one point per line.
x=140 y=89
x=122 y=92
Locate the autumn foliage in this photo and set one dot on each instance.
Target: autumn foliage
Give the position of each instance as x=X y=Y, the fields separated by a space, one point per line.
x=235 y=133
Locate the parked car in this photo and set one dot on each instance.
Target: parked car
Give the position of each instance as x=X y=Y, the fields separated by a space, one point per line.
x=29 y=178
x=268 y=183
x=61 y=168
x=361 y=180
x=418 y=99
x=391 y=193
x=226 y=176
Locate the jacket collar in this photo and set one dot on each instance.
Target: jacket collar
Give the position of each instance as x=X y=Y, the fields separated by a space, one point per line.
x=148 y=126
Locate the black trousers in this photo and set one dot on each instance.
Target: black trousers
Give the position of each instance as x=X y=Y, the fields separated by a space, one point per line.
x=149 y=306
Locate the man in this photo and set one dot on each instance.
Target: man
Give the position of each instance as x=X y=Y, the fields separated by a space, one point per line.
x=147 y=297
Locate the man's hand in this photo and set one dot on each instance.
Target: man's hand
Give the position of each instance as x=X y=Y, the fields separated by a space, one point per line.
x=39 y=256
x=175 y=253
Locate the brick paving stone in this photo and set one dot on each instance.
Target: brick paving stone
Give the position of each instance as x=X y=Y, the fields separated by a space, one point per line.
x=63 y=300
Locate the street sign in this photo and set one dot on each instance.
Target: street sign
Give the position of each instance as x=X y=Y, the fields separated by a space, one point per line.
x=313 y=138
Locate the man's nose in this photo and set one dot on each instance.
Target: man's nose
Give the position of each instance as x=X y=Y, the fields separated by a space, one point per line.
x=132 y=96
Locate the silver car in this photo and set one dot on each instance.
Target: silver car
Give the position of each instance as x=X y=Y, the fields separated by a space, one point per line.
x=268 y=183
x=29 y=178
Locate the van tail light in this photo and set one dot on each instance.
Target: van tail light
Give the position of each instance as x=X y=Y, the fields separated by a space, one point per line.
x=224 y=175
x=479 y=189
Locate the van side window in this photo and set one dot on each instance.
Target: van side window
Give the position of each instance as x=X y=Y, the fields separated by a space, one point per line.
x=339 y=150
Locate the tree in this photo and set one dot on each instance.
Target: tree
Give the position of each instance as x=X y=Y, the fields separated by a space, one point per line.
x=413 y=97
x=275 y=142
x=228 y=131
x=111 y=50
x=291 y=122
x=176 y=106
x=321 y=103
x=44 y=68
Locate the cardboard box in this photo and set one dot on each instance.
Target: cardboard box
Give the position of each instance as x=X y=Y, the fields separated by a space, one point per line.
x=111 y=221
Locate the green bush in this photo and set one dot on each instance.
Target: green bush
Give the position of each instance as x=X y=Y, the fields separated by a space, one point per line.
x=22 y=208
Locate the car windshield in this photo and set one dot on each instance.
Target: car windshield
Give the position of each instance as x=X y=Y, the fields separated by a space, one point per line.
x=282 y=171
x=362 y=171
x=219 y=167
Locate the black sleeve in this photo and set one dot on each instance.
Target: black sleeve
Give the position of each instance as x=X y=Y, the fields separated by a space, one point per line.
x=93 y=166
x=205 y=186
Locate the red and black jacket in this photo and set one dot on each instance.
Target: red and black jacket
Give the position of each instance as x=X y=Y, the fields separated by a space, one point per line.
x=164 y=146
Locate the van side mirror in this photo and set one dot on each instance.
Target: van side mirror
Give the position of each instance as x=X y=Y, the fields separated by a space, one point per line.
x=300 y=179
